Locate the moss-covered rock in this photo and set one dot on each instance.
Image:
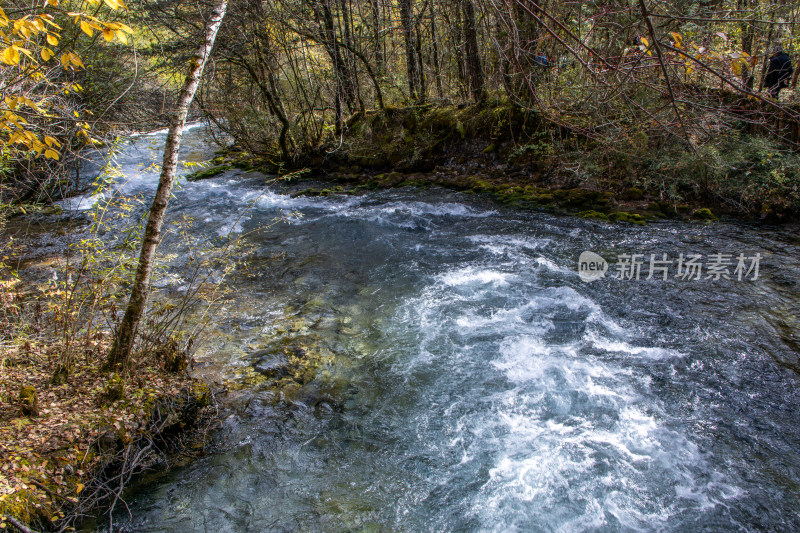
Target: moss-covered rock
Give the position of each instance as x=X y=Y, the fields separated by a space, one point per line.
x=624 y=216
x=632 y=194
x=28 y=401
x=593 y=214
x=208 y=173
x=201 y=394
x=704 y=213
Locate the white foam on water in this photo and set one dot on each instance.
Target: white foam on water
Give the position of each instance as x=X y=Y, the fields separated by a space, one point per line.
x=82 y=202
x=577 y=441
x=619 y=346
x=505 y=242
x=232 y=225
x=187 y=127
x=421 y=209
x=273 y=200
x=582 y=435
x=476 y=275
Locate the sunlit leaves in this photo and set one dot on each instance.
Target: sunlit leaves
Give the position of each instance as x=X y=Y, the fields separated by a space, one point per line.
x=28 y=40
x=71 y=60
x=10 y=56
x=86 y=28
x=645 y=46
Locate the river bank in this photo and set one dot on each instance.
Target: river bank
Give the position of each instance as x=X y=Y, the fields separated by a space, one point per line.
x=69 y=450
x=518 y=158
x=73 y=434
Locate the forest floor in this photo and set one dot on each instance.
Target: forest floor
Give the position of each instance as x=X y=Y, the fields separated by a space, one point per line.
x=71 y=441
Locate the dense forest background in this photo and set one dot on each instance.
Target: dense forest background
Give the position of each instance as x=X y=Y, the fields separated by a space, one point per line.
x=665 y=96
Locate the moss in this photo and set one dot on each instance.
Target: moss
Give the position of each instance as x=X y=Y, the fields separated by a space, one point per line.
x=207 y=173
x=60 y=375
x=114 y=390
x=243 y=164
x=704 y=214
x=623 y=216
x=664 y=208
x=18 y=506
x=632 y=194
x=28 y=401
x=201 y=394
x=593 y=214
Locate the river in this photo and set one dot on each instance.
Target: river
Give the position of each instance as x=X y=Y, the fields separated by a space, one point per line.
x=472 y=380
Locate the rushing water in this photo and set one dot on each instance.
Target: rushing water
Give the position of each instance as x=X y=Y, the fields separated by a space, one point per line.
x=474 y=382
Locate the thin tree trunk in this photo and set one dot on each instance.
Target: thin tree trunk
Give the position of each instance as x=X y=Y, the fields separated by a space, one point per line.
x=406 y=21
x=123 y=344
x=376 y=19
x=421 y=83
x=767 y=51
x=473 y=59
x=437 y=70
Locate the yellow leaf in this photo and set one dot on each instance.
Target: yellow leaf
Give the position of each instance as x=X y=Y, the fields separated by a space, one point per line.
x=108 y=35
x=46 y=53
x=52 y=40
x=644 y=41
x=87 y=29
x=53 y=3
x=10 y=56
x=121 y=36
x=677 y=38
x=112 y=4
x=52 y=154
x=50 y=141
x=78 y=488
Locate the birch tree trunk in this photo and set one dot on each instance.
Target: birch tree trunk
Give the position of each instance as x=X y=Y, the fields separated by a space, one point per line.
x=123 y=344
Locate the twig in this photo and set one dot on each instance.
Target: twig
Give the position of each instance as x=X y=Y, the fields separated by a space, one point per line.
x=19 y=525
x=48 y=491
x=657 y=46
